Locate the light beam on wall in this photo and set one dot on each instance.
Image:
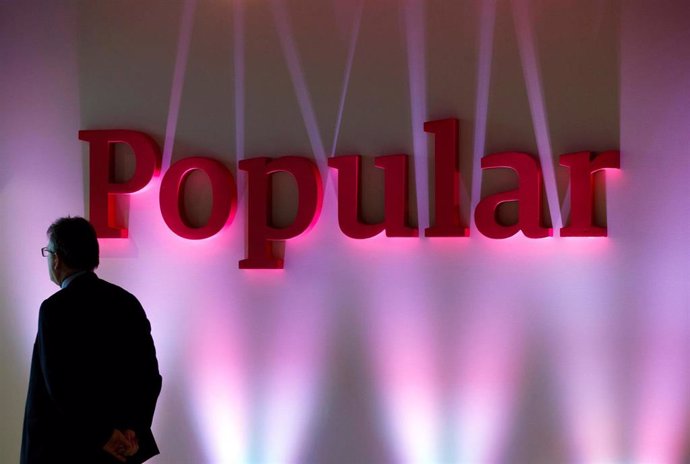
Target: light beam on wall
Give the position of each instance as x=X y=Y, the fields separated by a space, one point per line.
x=239 y=71
x=238 y=19
x=414 y=17
x=487 y=23
x=287 y=41
x=286 y=386
x=524 y=29
x=583 y=340
x=402 y=344
x=183 y=42
x=219 y=385
x=352 y=47
x=490 y=346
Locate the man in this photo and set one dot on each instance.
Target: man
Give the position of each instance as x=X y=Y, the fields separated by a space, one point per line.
x=94 y=374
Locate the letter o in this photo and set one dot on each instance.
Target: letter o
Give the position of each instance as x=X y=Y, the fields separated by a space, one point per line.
x=224 y=197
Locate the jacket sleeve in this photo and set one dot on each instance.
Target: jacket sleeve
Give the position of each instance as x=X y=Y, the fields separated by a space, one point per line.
x=141 y=383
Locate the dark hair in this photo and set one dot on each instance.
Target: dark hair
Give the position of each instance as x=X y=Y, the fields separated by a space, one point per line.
x=74 y=239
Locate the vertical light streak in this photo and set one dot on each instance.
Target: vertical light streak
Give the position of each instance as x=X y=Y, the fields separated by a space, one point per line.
x=414 y=17
x=183 y=43
x=403 y=347
x=239 y=70
x=218 y=387
x=524 y=29
x=288 y=407
x=287 y=41
x=491 y=345
x=584 y=368
x=292 y=373
x=582 y=342
x=663 y=381
x=354 y=35
x=486 y=41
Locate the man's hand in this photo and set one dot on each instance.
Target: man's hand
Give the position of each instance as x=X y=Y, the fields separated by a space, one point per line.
x=133 y=442
x=122 y=445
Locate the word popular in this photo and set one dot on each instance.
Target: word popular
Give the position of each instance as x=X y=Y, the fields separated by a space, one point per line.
x=262 y=234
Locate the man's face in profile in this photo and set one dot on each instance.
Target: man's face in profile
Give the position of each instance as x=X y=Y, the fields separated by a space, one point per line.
x=52 y=263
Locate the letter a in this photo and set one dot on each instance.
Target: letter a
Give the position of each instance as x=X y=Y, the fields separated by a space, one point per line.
x=528 y=196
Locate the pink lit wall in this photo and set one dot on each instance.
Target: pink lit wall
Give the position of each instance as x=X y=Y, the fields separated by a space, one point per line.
x=385 y=350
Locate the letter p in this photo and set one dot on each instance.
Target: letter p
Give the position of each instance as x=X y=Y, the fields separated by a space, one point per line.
x=260 y=233
x=102 y=190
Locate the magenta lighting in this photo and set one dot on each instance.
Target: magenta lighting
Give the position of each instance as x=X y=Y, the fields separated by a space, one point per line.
x=261 y=234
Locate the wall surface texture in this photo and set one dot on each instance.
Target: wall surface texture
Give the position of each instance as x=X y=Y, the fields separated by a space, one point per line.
x=401 y=350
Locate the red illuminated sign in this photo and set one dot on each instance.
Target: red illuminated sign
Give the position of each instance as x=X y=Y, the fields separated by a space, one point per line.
x=261 y=234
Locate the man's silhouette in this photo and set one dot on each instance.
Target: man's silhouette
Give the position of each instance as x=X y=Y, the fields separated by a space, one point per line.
x=94 y=374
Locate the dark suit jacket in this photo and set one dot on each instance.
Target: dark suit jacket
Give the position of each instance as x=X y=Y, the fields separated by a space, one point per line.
x=93 y=369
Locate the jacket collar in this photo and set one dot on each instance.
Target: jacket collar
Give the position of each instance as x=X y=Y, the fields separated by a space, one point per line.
x=72 y=277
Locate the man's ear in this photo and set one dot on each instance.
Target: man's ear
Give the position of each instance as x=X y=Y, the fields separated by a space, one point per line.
x=57 y=262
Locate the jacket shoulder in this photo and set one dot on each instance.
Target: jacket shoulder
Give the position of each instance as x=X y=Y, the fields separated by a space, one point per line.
x=93 y=293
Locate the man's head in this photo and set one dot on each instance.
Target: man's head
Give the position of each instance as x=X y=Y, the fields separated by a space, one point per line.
x=72 y=246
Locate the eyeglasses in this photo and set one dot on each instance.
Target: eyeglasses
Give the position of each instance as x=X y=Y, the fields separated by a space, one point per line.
x=45 y=252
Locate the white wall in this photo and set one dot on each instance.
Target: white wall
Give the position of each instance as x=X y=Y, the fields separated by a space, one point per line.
x=383 y=350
